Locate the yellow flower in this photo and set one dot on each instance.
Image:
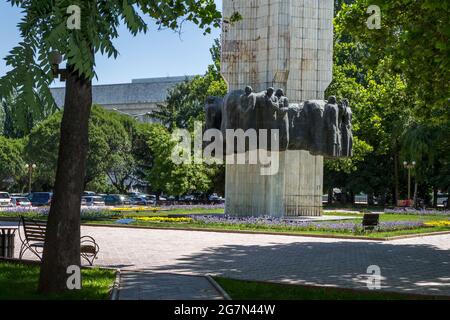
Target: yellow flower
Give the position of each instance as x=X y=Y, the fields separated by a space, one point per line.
x=162 y=219
x=133 y=209
x=445 y=223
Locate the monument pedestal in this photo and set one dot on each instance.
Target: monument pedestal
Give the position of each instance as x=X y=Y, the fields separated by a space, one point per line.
x=296 y=190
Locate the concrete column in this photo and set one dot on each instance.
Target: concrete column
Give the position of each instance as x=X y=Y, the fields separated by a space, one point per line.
x=285 y=44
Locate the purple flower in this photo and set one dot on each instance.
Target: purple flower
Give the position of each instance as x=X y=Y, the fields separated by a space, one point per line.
x=341 y=226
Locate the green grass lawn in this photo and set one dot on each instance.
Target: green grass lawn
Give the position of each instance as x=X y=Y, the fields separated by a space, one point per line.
x=20 y=281
x=252 y=290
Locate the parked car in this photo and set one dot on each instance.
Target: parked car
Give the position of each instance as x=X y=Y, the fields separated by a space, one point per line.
x=41 y=198
x=151 y=199
x=187 y=197
x=141 y=201
x=94 y=201
x=442 y=200
x=134 y=194
x=5 y=199
x=88 y=193
x=116 y=199
x=20 y=202
x=214 y=197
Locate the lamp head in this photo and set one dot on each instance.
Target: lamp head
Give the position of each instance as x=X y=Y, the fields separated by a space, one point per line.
x=55 y=58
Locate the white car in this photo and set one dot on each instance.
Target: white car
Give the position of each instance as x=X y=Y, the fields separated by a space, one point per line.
x=20 y=202
x=93 y=201
x=5 y=199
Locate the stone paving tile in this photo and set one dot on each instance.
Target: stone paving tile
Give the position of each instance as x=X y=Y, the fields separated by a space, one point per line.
x=142 y=285
x=416 y=265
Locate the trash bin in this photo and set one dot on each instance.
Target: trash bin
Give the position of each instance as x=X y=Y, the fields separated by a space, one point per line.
x=7 y=236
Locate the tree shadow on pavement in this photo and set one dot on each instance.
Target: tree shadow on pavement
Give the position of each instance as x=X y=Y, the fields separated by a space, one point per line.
x=422 y=269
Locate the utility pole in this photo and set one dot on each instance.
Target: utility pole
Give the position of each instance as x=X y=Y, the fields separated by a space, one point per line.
x=30 y=168
x=409 y=166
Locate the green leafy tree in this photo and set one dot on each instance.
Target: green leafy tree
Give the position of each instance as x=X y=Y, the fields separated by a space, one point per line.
x=110 y=162
x=12 y=164
x=44 y=29
x=163 y=175
x=381 y=106
x=15 y=125
x=404 y=67
x=186 y=101
x=415 y=35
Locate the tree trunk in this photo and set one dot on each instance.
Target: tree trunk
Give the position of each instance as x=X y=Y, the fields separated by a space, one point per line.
x=343 y=196
x=435 y=196
x=370 y=199
x=62 y=242
x=330 y=196
x=448 y=198
x=352 y=197
x=396 y=177
x=415 y=194
x=382 y=199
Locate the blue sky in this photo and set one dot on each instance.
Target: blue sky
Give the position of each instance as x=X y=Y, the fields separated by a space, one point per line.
x=156 y=54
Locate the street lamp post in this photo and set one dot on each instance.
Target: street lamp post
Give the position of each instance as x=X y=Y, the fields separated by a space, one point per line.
x=135 y=116
x=30 y=168
x=409 y=166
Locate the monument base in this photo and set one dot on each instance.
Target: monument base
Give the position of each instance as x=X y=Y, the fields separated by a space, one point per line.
x=295 y=190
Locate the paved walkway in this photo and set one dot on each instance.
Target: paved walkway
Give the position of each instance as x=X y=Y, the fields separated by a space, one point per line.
x=146 y=285
x=417 y=265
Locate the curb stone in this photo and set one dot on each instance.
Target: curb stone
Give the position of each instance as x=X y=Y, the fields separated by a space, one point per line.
x=115 y=289
x=218 y=287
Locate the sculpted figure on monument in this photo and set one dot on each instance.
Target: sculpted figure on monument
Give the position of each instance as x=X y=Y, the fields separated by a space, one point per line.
x=314 y=113
x=346 y=130
x=298 y=127
x=213 y=112
x=283 y=101
x=318 y=126
x=332 y=130
x=282 y=118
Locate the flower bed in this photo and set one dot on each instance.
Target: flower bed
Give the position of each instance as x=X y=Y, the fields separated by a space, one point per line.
x=162 y=219
x=87 y=213
x=445 y=223
x=417 y=212
x=195 y=207
x=136 y=209
x=334 y=226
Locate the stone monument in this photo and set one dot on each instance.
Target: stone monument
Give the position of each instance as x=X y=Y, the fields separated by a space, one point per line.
x=285 y=44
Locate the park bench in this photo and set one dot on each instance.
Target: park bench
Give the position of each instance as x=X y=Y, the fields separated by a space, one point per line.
x=370 y=221
x=33 y=239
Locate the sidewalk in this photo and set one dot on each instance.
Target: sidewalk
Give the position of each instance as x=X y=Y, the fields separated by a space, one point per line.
x=145 y=285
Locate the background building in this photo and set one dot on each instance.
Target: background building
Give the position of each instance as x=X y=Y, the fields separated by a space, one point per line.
x=136 y=98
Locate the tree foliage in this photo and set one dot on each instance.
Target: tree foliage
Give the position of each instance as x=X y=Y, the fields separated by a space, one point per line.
x=396 y=78
x=43 y=29
x=109 y=152
x=12 y=164
x=162 y=174
x=186 y=101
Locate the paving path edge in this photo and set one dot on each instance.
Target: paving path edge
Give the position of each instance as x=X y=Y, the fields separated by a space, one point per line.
x=218 y=287
x=114 y=294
